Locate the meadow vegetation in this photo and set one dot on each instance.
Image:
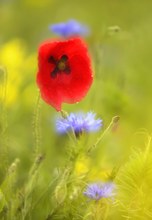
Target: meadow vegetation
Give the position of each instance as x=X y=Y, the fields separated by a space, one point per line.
x=43 y=174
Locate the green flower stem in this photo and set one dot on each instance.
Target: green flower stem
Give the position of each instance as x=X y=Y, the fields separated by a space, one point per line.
x=36 y=125
x=106 y=211
x=71 y=134
x=101 y=209
x=114 y=120
x=3 y=118
x=33 y=175
x=98 y=210
x=148 y=146
x=3 y=72
x=63 y=186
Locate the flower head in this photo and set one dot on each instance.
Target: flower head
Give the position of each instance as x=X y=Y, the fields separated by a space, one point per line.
x=69 y=29
x=78 y=123
x=97 y=191
x=64 y=73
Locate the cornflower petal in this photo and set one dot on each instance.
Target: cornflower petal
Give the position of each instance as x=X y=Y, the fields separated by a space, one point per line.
x=69 y=29
x=98 y=191
x=78 y=122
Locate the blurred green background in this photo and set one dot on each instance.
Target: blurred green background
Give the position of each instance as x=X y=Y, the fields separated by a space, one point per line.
x=121 y=49
x=121 y=60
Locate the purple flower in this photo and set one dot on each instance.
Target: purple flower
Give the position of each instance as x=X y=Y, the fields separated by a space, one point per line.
x=97 y=191
x=69 y=29
x=78 y=122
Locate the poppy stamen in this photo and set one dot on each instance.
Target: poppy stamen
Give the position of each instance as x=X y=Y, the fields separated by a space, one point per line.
x=51 y=59
x=54 y=73
x=60 y=65
x=64 y=58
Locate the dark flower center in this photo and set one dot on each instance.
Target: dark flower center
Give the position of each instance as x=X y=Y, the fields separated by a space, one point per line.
x=61 y=65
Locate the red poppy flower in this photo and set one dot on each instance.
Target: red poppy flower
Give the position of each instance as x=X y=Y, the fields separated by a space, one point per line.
x=64 y=73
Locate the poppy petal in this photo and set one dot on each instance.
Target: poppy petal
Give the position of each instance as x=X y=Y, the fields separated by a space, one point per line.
x=64 y=85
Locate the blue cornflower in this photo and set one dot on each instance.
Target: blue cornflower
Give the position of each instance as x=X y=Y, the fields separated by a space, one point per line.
x=69 y=29
x=78 y=122
x=97 y=191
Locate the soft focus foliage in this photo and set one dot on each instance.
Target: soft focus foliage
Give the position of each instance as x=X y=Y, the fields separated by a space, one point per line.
x=42 y=174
